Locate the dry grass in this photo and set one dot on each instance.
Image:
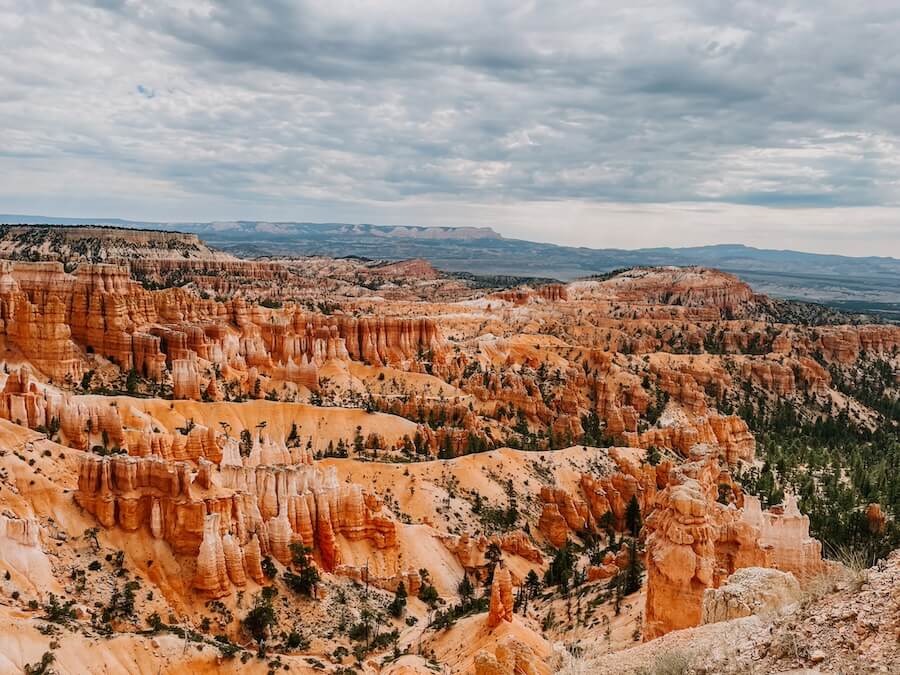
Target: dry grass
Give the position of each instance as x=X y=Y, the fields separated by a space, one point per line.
x=856 y=565
x=670 y=663
x=849 y=569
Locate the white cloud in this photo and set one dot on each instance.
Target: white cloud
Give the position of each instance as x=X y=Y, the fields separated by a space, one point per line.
x=672 y=123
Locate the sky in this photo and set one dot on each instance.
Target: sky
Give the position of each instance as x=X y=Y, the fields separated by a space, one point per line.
x=773 y=124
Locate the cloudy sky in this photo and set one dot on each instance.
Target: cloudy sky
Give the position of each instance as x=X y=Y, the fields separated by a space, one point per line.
x=773 y=124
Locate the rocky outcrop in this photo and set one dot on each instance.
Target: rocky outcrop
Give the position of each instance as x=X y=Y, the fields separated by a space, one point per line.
x=692 y=288
x=875 y=518
x=185 y=379
x=410 y=579
x=23 y=563
x=509 y=657
x=525 y=295
x=784 y=532
x=56 y=319
x=695 y=543
x=22 y=531
x=561 y=513
x=680 y=559
x=730 y=433
x=470 y=551
x=228 y=519
x=564 y=514
x=843 y=344
x=211 y=577
x=749 y=591
x=501 y=606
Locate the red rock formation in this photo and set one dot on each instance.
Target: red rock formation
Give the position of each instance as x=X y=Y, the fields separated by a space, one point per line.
x=691 y=287
x=694 y=543
x=875 y=518
x=185 y=379
x=211 y=578
x=501 y=607
x=269 y=505
x=607 y=570
x=470 y=551
x=524 y=295
x=561 y=513
x=730 y=433
x=51 y=316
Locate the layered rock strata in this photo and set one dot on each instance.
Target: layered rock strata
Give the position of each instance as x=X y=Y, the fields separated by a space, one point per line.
x=695 y=543
x=230 y=515
x=56 y=318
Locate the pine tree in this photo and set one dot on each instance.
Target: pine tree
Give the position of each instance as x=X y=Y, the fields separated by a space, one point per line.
x=308 y=578
x=634 y=570
x=533 y=584
x=398 y=604
x=633 y=516
x=466 y=591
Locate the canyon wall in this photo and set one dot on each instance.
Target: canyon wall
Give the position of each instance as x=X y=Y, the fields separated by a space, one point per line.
x=56 y=318
x=695 y=543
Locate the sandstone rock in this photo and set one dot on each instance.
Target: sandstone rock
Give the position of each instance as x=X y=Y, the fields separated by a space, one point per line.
x=253 y=560
x=234 y=560
x=750 y=590
x=509 y=657
x=265 y=508
x=784 y=532
x=185 y=379
x=501 y=607
x=211 y=578
x=553 y=525
x=694 y=543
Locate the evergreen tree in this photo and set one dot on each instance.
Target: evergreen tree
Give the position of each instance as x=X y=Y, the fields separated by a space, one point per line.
x=533 y=584
x=307 y=579
x=633 y=516
x=634 y=570
x=466 y=590
x=398 y=604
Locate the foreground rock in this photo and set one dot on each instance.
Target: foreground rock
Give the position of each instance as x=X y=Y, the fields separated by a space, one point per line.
x=695 y=543
x=749 y=591
x=847 y=629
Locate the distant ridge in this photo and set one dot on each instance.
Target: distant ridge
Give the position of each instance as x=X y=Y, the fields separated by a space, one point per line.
x=861 y=284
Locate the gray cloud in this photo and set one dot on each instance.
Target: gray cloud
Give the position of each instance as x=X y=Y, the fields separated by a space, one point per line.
x=310 y=110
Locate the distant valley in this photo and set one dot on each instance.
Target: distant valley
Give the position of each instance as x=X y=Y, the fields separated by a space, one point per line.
x=867 y=285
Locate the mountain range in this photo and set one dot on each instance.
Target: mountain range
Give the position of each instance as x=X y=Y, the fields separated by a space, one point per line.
x=862 y=284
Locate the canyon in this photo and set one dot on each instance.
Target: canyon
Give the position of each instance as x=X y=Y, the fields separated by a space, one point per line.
x=344 y=465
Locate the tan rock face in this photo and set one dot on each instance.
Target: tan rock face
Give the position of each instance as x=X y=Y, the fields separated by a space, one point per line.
x=695 y=543
x=509 y=657
x=228 y=515
x=784 y=532
x=55 y=317
x=750 y=590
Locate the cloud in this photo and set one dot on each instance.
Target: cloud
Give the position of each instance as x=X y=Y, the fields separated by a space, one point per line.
x=381 y=111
